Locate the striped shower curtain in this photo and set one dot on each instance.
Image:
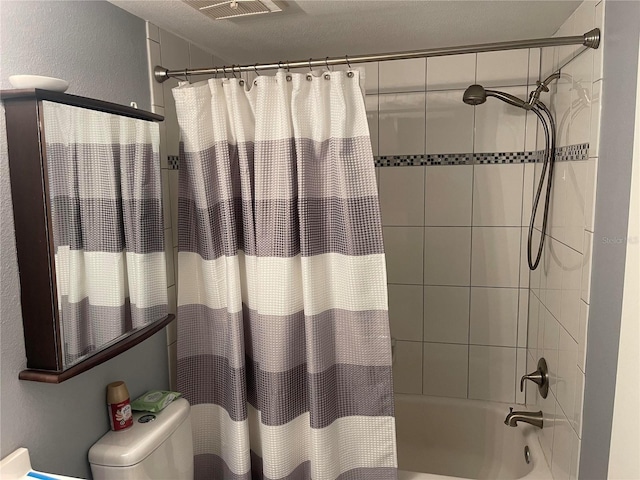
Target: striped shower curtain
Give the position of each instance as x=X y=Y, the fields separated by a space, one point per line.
x=283 y=337
x=106 y=213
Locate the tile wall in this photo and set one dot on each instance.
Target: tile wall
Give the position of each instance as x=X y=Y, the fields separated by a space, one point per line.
x=170 y=51
x=559 y=290
x=454 y=220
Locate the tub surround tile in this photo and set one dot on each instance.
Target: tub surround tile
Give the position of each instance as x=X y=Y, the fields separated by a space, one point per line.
x=449 y=123
x=446 y=314
x=533 y=324
x=495 y=257
x=551 y=339
x=153 y=32
x=566 y=379
x=402 y=196
x=534 y=66
x=586 y=268
x=576 y=420
x=494 y=316
x=451 y=72
x=445 y=370
x=407 y=367
x=492 y=371
x=499 y=69
x=405 y=312
x=523 y=313
x=570 y=291
x=447 y=255
x=402 y=76
x=403 y=249
x=448 y=196
x=590 y=194
x=371 y=72
x=521 y=370
x=500 y=127
x=402 y=124
x=574 y=203
x=497 y=195
x=582 y=335
x=548 y=407
x=168 y=256
x=371 y=104
x=563 y=439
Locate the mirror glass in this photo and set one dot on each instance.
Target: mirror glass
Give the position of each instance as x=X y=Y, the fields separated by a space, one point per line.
x=104 y=189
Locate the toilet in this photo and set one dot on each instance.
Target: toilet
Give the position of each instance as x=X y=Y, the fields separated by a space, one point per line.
x=157 y=446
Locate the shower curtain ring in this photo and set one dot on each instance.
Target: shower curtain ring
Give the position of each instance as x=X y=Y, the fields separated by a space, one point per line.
x=224 y=71
x=255 y=69
x=233 y=71
x=346 y=59
x=288 y=70
x=279 y=65
x=310 y=69
x=326 y=62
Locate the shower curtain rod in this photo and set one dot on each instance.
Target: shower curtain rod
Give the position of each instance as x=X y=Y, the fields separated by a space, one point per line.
x=590 y=39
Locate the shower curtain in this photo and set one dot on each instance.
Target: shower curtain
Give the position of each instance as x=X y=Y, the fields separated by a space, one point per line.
x=106 y=208
x=283 y=336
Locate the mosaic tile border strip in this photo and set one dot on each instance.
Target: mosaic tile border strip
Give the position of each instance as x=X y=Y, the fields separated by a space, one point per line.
x=570 y=153
x=174 y=162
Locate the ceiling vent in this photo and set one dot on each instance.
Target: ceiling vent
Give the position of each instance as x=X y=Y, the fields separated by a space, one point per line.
x=219 y=10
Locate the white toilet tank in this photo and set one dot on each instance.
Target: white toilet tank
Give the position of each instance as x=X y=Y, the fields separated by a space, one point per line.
x=157 y=446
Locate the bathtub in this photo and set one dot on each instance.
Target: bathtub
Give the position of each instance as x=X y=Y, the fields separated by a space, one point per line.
x=444 y=438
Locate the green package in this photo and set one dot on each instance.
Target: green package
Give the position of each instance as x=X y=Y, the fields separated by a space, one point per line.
x=154 y=400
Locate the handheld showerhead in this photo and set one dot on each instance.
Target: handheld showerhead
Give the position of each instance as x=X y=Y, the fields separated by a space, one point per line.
x=474 y=95
x=477 y=94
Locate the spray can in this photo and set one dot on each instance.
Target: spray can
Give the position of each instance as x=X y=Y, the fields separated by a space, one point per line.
x=119 y=406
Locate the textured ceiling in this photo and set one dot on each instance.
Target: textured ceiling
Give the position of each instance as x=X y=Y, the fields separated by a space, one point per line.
x=319 y=28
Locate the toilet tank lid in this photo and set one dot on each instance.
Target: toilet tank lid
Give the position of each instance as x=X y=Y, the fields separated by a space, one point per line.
x=130 y=447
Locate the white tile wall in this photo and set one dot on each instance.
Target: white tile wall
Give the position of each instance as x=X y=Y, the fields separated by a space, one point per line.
x=405 y=312
x=495 y=257
x=449 y=123
x=500 y=127
x=559 y=293
x=402 y=196
x=497 y=195
x=500 y=69
x=448 y=195
x=403 y=249
x=451 y=72
x=401 y=124
x=402 y=76
x=446 y=314
x=492 y=371
x=494 y=316
x=445 y=370
x=469 y=217
x=407 y=367
x=447 y=255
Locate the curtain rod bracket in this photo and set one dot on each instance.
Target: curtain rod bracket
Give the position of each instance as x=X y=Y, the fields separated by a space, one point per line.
x=161 y=74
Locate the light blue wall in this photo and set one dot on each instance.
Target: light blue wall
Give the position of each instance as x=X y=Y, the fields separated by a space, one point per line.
x=101 y=50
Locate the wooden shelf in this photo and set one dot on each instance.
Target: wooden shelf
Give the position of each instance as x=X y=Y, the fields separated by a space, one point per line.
x=100 y=357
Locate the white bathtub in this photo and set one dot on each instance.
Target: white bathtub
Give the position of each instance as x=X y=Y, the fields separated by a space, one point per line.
x=444 y=438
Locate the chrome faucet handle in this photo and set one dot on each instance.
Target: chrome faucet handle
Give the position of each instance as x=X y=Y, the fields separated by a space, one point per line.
x=540 y=377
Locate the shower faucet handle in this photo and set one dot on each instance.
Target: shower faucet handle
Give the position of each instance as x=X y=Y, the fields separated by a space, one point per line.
x=540 y=377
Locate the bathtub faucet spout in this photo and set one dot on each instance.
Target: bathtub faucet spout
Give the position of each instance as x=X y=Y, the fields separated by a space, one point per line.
x=533 y=418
